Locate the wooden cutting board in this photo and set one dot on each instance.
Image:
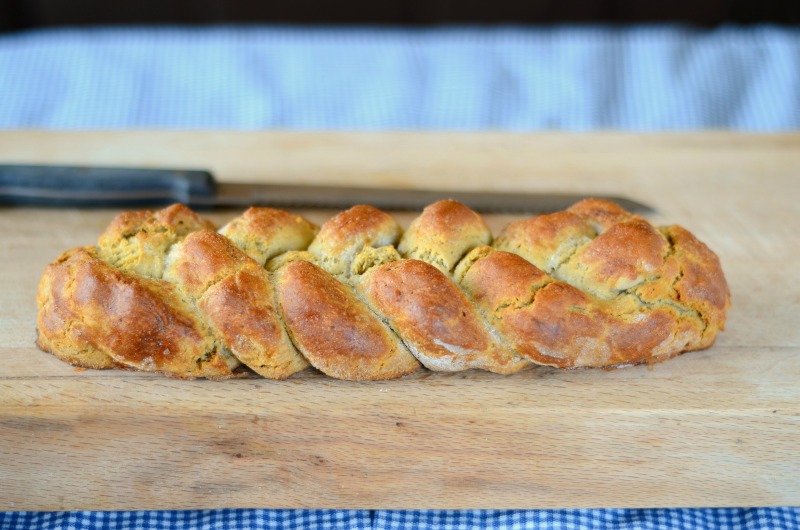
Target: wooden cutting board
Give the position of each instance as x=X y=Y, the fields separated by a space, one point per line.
x=714 y=428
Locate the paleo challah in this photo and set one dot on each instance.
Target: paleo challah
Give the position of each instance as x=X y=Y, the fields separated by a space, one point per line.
x=592 y=286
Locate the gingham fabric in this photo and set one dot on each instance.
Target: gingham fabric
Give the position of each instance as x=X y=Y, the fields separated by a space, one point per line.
x=651 y=78
x=712 y=519
x=459 y=79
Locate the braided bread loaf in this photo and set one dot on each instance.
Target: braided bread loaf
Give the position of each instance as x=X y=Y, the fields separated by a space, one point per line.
x=593 y=286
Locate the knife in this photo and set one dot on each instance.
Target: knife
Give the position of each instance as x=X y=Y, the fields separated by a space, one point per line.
x=79 y=186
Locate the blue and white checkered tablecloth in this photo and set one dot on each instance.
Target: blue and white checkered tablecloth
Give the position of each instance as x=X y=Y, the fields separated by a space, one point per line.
x=650 y=78
x=656 y=78
x=720 y=518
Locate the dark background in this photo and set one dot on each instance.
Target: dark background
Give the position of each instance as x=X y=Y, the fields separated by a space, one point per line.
x=23 y=14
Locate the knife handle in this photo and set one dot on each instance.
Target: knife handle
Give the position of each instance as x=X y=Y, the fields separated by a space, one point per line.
x=38 y=185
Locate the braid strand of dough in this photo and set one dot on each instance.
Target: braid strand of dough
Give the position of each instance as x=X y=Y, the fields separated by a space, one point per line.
x=358 y=299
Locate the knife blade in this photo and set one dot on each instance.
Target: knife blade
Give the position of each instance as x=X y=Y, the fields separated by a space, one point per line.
x=81 y=186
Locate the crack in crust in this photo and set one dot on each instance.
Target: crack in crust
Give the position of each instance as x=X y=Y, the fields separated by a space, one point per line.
x=270 y=293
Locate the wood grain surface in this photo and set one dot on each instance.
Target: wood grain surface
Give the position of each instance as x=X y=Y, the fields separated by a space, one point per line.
x=719 y=427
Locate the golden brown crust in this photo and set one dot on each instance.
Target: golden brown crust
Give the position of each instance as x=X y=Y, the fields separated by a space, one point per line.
x=554 y=323
x=235 y=296
x=336 y=332
x=620 y=258
x=700 y=283
x=443 y=234
x=345 y=235
x=601 y=213
x=592 y=286
x=138 y=242
x=621 y=291
x=431 y=314
x=546 y=240
x=60 y=329
x=263 y=233
x=501 y=279
x=202 y=260
x=141 y=323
